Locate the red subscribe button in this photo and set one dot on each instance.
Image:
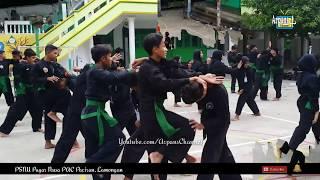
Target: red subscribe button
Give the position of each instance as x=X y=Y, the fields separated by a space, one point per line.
x=274 y=169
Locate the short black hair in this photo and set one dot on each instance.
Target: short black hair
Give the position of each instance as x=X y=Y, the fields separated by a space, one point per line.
x=100 y=50
x=275 y=49
x=252 y=46
x=29 y=52
x=244 y=59
x=152 y=40
x=16 y=52
x=191 y=92
x=234 y=47
x=49 y=48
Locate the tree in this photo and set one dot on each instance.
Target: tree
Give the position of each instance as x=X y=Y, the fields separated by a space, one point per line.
x=305 y=12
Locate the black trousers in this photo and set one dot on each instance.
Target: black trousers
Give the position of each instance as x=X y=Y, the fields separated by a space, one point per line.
x=126 y=117
x=56 y=100
x=72 y=126
x=216 y=150
x=305 y=124
x=258 y=86
x=8 y=95
x=109 y=151
x=18 y=109
x=233 y=81
x=246 y=97
x=177 y=96
x=277 y=83
x=132 y=153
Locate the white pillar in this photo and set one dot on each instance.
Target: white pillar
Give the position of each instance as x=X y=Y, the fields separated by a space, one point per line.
x=189 y=9
x=132 y=46
x=64 y=11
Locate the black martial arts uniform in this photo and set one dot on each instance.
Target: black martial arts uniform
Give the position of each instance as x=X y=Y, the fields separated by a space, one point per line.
x=122 y=107
x=216 y=120
x=233 y=60
x=277 y=74
x=262 y=76
x=26 y=100
x=245 y=79
x=5 y=85
x=101 y=131
x=156 y=121
x=53 y=98
x=308 y=85
x=73 y=123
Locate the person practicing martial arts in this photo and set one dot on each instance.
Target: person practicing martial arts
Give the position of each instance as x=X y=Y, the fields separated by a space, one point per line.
x=54 y=95
x=262 y=75
x=233 y=61
x=215 y=121
x=5 y=85
x=245 y=78
x=102 y=132
x=308 y=85
x=72 y=126
x=276 y=71
x=156 y=121
x=26 y=99
x=216 y=66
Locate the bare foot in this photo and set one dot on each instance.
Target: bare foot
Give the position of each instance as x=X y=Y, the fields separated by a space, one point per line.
x=257 y=114
x=276 y=99
x=53 y=116
x=3 y=134
x=127 y=178
x=191 y=159
x=236 y=118
x=176 y=105
x=49 y=145
x=76 y=144
x=155 y=157
x=39 y=130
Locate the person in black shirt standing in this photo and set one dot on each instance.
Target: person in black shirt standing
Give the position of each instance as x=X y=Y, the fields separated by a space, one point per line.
x=5 y=85
x=55 y=98
x=26 y=99
x=245 y=78
x=276 y=71
x=233 y=61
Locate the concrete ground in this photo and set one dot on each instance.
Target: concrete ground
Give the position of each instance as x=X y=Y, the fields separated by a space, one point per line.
x=278 y=120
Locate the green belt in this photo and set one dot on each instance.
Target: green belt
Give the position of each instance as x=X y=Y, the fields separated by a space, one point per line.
x=165 y=126
x=21 y=88
x=101 y=114
x=40 y=88
x=3 y=83
x=308 y=105
x=252 y=65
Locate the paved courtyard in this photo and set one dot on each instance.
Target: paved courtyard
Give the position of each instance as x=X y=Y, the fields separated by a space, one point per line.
x=247 y=138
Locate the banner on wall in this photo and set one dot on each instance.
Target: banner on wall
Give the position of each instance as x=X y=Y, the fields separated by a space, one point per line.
x=10 y=42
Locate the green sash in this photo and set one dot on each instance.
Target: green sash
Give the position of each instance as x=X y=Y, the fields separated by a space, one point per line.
x=3 y=83
x=252 y=65
x=101 y=114
x=21 y=88
x=265 y=75
x=165 y=126
x=308 y=105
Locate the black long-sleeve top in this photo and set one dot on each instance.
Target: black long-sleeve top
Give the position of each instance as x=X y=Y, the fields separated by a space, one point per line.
x=100 y=82
x=155 y=80
x=219 y=68
x=245 y=78
x=215 y=112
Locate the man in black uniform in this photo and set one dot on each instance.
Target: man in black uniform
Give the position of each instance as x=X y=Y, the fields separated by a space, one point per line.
x=25 y=97
x=308 y=85
x=233 y=61
x=215 y=121
x=276 y=71
x=156 y=121
x=245 y=78
x=5 y=85
x=101 y=131
x=73 y=124
x=54 y=98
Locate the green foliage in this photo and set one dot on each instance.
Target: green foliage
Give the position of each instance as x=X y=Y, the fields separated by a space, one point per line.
x=306 y=13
